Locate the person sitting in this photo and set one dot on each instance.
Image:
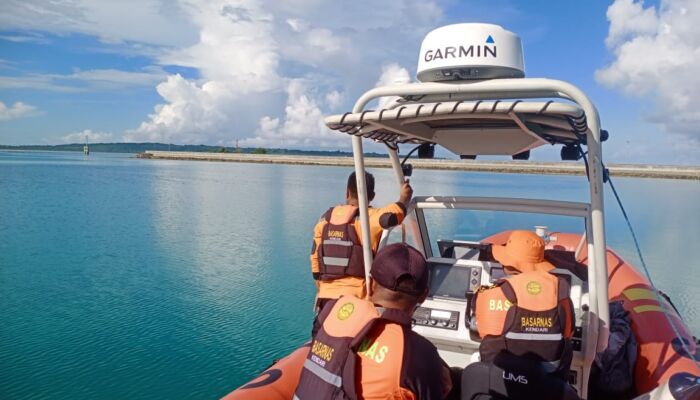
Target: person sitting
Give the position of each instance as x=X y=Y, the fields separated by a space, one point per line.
x=365 y=349
x=525 y=319
x=337 y=263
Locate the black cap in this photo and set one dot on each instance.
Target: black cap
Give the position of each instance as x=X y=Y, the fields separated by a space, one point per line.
x=396 y=261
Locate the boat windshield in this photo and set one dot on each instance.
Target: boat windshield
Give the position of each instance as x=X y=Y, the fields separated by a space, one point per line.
x=475 y=225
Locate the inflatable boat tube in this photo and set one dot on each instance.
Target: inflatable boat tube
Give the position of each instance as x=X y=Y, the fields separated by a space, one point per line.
x=275 y=383
x=660 y=353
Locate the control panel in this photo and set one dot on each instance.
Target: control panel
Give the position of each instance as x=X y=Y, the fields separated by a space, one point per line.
x=475 y=279
x=442 y=316
x=444 y=319
x=454 y=279
x=576 y=341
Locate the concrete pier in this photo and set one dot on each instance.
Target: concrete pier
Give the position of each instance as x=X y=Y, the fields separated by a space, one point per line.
x=511 y=167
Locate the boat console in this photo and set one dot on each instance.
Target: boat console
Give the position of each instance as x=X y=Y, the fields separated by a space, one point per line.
x=454 y=277
x=442 y=316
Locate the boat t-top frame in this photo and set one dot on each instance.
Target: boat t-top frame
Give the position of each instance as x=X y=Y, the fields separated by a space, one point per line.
x=490 y=117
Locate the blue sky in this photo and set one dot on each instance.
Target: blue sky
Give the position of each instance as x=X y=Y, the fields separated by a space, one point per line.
x=265 y=73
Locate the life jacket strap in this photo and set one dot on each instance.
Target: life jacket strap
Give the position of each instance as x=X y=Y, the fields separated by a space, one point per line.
x=563 y=289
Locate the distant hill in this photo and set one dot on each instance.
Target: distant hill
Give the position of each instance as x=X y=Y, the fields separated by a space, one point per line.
x=141 y=147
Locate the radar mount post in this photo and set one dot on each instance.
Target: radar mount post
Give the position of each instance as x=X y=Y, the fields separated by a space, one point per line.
x=359 y=160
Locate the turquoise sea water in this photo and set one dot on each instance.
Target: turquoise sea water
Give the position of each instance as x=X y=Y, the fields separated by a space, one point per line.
x=126 y=278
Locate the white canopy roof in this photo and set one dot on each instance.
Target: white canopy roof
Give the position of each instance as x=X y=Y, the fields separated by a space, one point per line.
x=469 y=127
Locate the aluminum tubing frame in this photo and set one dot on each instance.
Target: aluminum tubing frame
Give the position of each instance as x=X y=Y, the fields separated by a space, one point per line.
x=359 y=162
x=498 y=89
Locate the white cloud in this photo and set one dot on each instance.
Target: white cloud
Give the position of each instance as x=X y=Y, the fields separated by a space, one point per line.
x=93 y=137
x=311 y=45
x=96 y=79
x=258 y=49
x=297 y=25
x=29 y=38
x=392 y=74
x=6 y=63
x=334 y=99
x=190 y=110
x=237 y=58
x=17 y=110
x=35 y=81
x=302 y=127
x=249 y=54
x=303 y=121
x=628 y=19
x=657 y=54
x=159 y=22
x=100 y=78
x=235 y=45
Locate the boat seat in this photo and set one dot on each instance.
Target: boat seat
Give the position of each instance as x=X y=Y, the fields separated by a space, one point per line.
x=513 y=378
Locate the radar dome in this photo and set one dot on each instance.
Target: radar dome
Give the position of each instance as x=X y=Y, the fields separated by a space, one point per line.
x=470 y=51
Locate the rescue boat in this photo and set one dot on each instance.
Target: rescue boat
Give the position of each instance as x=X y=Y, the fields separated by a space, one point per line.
x=473 y=99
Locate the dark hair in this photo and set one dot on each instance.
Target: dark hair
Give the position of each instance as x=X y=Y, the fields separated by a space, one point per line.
x=369 y=182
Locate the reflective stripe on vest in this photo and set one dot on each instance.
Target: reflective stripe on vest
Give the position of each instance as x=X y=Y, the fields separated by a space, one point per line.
x=534 y=336
x=340 y=242
x=317 y=370
x=336 y=261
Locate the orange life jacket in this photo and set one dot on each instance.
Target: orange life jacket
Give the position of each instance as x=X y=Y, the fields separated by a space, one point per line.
x=531 y=316
x=340 y=251
x=329 y=370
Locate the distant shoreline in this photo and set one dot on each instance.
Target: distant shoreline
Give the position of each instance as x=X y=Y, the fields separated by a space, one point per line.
x=510 y=167
x=198 y=148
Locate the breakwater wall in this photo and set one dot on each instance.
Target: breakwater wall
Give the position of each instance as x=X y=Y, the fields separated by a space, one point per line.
x=511 y=167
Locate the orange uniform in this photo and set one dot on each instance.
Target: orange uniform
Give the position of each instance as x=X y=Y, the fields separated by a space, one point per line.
x=528 y=315
x=379 y=219
x=390 y=361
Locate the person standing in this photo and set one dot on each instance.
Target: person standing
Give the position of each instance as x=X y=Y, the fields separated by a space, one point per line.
x=337 y=263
